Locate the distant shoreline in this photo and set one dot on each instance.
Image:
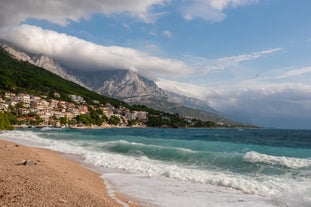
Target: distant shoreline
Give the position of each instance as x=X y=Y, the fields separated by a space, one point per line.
x=78 y=127
x=128 y=127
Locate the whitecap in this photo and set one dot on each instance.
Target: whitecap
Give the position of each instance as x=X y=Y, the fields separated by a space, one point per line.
x=290 y=162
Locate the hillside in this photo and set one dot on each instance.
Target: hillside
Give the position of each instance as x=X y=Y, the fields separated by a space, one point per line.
x=19 y=76
x=42 y=61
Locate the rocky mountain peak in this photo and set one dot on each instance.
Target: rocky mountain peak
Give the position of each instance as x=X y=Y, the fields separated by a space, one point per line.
x=131 y=76
x=123 y=84
x=14 y=52
x=46 y=63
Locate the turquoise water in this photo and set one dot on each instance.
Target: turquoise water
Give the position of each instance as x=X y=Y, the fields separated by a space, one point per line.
x=263 y=162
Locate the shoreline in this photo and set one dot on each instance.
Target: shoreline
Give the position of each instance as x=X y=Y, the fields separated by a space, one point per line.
x=41 y=177
x=148 y=182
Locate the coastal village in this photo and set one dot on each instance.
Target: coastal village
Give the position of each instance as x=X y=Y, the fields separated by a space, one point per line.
x=31 y=110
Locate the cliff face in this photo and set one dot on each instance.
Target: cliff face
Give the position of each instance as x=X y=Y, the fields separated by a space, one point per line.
x=122 y=84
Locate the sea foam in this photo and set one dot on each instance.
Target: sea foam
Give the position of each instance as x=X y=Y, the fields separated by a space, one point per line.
x=152 y=168
x=93 y=152
x=143 y=166
x=295 y=163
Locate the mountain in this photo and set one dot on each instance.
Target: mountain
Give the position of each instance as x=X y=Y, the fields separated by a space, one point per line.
x=40 y=61
x=124 y=85
x=136 y=89
x=20 y=76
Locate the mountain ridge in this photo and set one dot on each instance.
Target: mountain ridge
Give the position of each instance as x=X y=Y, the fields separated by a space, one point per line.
x=122 y=84
x=22 y=83
x=125 y=85
x=119 y=84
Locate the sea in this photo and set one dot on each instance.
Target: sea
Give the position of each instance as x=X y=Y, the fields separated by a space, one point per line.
x=190 y=167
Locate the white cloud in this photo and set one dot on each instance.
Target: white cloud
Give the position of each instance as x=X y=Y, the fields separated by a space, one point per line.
x=63 y=11
x=152 y=49
x=228 y=96
x=295 y=72
x=225 y=62
x=126 y=26
x=223 y=4
x=167 y=33
x=267 y=104
x=211 y=10
x=276 y=105
x=221 y=63
x=153 y=33
x=202 y=10
x=80 y=54
x=182 y=88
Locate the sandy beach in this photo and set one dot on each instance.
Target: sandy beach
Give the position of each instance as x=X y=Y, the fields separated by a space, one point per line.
x=38 y=177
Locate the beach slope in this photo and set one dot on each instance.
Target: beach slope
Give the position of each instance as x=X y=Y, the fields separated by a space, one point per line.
x=38 y=177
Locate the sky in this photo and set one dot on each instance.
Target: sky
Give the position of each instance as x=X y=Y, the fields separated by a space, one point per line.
x=248 y=59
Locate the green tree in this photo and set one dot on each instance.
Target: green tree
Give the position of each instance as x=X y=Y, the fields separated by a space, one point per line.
x=63 y=120
x=12 y=118
x=132 y=122
x=38 y=120
x=156 y=121
x=84 y=119
x=19 y=105
x=201 y=124
x=4 y=122
x=96 y=116
x=71 y=122
x=114 y=120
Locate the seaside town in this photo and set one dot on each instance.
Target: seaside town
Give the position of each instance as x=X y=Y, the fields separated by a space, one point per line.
x=29 y=110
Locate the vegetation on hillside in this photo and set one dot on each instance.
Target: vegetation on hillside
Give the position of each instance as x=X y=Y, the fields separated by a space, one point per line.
x=5 y=122
x=18 y=76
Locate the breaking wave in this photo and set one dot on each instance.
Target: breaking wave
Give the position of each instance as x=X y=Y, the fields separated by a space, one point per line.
x=295 y=163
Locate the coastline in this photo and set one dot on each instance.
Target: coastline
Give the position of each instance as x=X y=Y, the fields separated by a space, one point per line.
x=107 y=126
x=126 y=161
x=39 y=177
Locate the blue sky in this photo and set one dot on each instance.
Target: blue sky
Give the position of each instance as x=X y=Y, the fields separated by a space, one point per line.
x=249 y=59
